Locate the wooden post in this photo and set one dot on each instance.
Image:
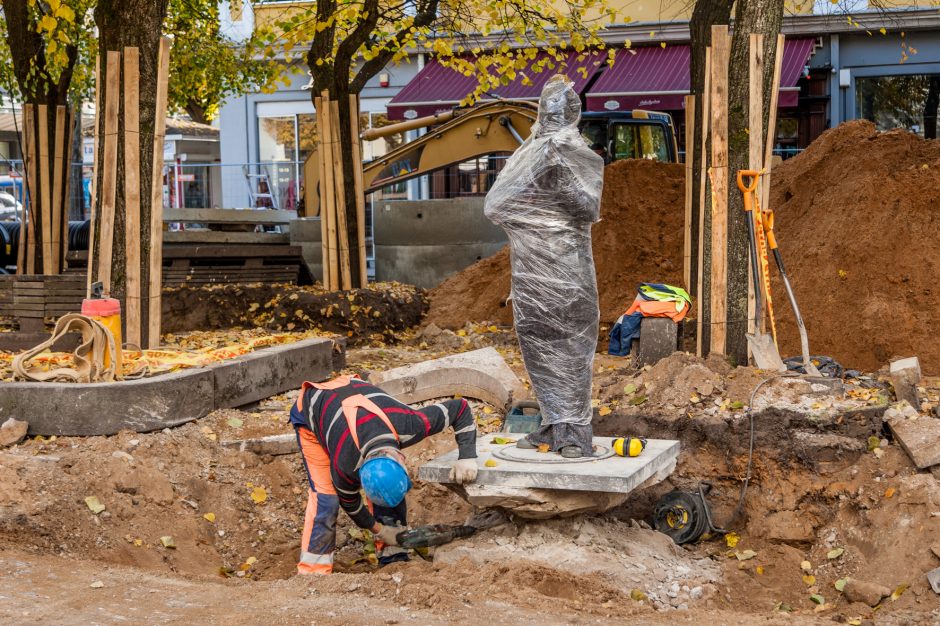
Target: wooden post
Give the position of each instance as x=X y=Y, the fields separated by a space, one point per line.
x=755 y=124
x=772 y=123
x=321 y=192
x=132 y=231
x=721 y=48
x=29 y=131
x=156 y=199
x=342 y=230
x=329 y=209
x=109 y=165
x=60 y=161
x=689 y=140
x=700 y=312
x=93 y=192
x=360 y=191
x=66 y=187
x=45 y=204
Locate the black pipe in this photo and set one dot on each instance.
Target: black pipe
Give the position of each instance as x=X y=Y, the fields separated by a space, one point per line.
x=10 y=237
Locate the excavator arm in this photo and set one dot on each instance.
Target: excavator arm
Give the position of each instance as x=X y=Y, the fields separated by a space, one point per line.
x=461 y=135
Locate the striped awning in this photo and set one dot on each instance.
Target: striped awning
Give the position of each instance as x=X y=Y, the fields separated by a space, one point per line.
x=658 y=78
x=437 y=88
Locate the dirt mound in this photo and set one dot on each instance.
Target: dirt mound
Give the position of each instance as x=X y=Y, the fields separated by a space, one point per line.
x=639 y=239
x=859 y=231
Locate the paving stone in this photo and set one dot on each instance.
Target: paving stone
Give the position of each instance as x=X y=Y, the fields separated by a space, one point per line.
x=273 y=444
x=480 y=374
x=905 y=376
x=920 y=438
x=612 y=475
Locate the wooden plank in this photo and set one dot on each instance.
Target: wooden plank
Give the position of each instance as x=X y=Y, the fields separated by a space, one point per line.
x=59 y=163
x=687 y=238
x=706 y=102
x=215 y=236
x=721 y=47
x=328 y=212
x=156 y=200
x=772 y=122
x=360 y=191
x=755 y=148
x=229 y=216
x=109 y=168
x=66 y=189
x=132 y=194
x=93 y=191
x=29 y=131
x=342 y=226
x=45 y=191
x=321 y=192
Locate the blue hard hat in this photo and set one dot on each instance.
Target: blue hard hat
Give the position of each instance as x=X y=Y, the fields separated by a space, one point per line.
x=385 y=481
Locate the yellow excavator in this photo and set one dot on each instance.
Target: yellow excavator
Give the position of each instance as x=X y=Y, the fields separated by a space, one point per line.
x=497 y=128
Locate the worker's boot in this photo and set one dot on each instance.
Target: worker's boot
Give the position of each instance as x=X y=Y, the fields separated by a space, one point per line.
x=525 y=444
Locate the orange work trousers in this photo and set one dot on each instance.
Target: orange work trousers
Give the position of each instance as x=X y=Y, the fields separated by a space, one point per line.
x=319 y=538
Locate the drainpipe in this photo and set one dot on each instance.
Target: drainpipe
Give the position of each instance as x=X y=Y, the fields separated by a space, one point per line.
x=836 y=92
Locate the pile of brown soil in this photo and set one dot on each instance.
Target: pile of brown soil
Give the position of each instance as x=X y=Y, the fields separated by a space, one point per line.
x=639 y=239
x=859 y=232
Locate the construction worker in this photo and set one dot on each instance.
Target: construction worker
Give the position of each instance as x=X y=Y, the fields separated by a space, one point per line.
x=350 y=435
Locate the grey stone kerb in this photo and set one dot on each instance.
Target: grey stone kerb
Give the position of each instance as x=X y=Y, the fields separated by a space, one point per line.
x=170 y=399
x=481 y=374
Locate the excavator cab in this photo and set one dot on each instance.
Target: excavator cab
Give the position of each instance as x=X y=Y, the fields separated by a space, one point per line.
x=631 y=135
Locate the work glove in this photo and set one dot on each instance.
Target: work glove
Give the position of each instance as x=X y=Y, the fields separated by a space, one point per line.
x=388 y=534
x=464 y=471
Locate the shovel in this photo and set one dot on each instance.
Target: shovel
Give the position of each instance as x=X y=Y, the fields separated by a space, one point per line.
x=762 y=345
x=767 y=218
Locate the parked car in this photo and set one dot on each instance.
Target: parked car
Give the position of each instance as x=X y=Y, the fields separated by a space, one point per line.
x=10 y=208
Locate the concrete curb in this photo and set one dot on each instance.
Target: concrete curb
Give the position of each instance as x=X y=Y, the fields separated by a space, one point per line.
x=170 y=399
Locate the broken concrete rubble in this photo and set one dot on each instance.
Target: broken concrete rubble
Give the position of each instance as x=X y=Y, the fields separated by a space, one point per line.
x=905 y=376
x=863 y=591
x=540 y=503
x=481 y=374
x=920 y=438
x=12 y=432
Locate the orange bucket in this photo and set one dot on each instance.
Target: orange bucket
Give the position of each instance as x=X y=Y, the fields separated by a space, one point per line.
x=108 y=312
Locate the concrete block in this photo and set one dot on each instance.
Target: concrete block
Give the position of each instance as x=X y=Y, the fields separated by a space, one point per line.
x=659 y=337
x=427 y=266
x=905 y=376
x=920 y=438
x=540 y=503
x=270 y=371
x=611 y=475
x=480 y=374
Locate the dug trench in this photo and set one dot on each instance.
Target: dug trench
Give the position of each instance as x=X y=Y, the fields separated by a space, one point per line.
x=188 y=512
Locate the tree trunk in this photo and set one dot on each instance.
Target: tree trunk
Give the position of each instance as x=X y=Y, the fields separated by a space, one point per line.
x=27 y=49
x=706 y=14
x=76 y=199
x=930 y=108
x=751 y=16
x=122 y=24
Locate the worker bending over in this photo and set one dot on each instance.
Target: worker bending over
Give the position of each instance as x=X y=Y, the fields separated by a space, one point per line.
x=351 y=434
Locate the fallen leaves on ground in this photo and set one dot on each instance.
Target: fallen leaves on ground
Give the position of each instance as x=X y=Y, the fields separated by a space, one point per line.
x=259 y=495
x=168 y=542
x=490 y=463
x=94 y=505
x=835 y=553
x=209 y=517
x=732 y=539
x=745 y=555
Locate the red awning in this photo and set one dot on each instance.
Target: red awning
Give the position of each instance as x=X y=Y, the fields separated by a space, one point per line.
x=437 y=88
x=658 y=78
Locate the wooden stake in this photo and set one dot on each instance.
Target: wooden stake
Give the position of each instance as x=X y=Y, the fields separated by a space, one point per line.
x=360 y=191
x=45 y=205
x=329 y=209
x=156 y=199
x=689 y=139
x=66 y=188
x=93 y=192
x=719 y=224
x=706 y=103
x=60 y=161
x=772 y=123
x=755 y=147
x=132 y=232
x=342 y=230
x=321 y=191
x=109 y=165
x=31 y=198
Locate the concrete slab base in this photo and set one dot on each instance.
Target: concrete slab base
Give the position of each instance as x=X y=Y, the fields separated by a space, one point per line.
x=920 y=438
x=172 y=399
x=480 y=374
x=611 y=475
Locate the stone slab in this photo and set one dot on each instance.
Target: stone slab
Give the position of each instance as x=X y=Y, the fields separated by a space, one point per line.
x=933 y=577
x=659 y=338
x=612 y=475
x=147 y=404
x=480 y=374
x=275 y=445
x=920 y=438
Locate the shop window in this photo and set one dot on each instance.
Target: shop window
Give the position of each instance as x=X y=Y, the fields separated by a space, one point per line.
x=908 y=102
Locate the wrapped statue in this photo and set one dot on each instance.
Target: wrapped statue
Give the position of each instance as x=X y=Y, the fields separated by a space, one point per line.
x=546 y=199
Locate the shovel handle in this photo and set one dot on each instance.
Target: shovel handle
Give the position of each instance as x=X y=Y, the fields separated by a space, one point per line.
x=753 y=175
